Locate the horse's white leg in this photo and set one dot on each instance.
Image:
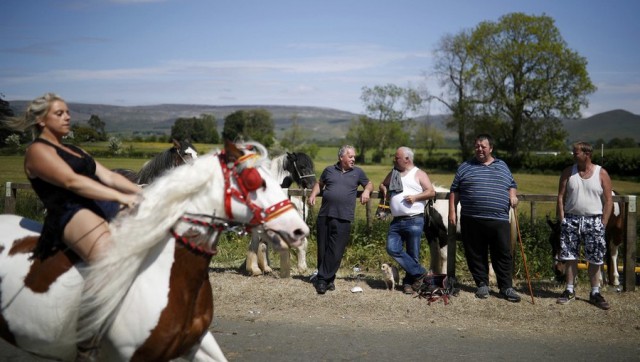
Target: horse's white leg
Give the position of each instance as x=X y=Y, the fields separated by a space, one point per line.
x=207 y=350
x=302 y=256
x=263 y=258
x=614 y=266
x=443 y=259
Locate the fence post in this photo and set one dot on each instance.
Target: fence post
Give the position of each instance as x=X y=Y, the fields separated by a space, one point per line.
x=451 y=248
x=534 y=212
x=629 y=261
x=10 y=196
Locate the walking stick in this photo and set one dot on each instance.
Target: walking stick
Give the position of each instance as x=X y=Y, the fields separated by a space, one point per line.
x=524 y=258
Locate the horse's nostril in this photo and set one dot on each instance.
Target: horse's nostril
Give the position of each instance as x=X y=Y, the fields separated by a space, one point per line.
x=299 y=232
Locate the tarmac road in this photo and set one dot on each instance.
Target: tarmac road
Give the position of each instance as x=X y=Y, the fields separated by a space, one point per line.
x=243 y=340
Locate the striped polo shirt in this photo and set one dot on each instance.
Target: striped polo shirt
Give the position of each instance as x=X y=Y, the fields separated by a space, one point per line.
x=484 y=189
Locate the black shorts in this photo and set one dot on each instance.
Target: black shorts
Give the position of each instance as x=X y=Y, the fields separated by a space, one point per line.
x=51 y=240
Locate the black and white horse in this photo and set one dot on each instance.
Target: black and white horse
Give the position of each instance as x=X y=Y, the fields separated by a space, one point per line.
x=287 y=168
x=180 y=153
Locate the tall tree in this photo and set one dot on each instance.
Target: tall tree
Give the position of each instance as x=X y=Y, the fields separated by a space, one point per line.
x=197 y=129
x=293 y=139
x=455 y=71
x=256 y=125
x=428 y=137
x=5 y=112
x=521 y=79
x=98 y=125
x=389 y=110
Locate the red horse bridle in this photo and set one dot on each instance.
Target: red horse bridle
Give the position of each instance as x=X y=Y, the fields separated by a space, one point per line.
x=247 y=179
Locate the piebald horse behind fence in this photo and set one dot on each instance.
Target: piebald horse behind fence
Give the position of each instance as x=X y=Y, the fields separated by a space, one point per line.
x=150 y=297
x=180 y=153
x=287 y=168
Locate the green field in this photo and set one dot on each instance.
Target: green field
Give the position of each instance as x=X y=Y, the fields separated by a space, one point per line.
x=367 y=244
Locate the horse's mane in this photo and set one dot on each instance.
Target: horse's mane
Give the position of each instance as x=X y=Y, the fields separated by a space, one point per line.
x=276 y=166
x=134 y=235
x=280 y=166
x=156 y=166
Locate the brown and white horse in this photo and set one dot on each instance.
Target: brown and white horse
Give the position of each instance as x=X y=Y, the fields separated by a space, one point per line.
x=149 y=298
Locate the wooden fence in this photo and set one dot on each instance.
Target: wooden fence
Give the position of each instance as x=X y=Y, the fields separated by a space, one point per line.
x=628 y=202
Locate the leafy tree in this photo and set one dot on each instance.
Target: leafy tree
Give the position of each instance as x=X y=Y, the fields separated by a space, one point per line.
x=627 y=142
x=82 y=134
x=428 y=137
x=388 y=119
x=256 y=125
x=294 y=138
x=359 y=136
x=455 y=70
x=115 y=146
x=198 y=129
x=98 y=125
x=516 y=76
x=5 y=112
x=209 y=129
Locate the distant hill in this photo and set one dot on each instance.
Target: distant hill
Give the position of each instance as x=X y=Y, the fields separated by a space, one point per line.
x=607 y=125
x=321 y=123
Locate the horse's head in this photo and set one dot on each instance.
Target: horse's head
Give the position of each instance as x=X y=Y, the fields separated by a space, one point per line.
x=301 y=168
x=184 y=151
x=383 y=212
x=254 y=196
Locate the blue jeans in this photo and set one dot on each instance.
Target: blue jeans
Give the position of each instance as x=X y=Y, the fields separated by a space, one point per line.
x=406 y=231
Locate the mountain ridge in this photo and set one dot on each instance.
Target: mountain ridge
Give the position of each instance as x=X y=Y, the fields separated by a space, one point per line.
x=320 y=123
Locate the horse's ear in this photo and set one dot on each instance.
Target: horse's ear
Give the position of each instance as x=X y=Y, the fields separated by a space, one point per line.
x=232 y=151
x=176 y=144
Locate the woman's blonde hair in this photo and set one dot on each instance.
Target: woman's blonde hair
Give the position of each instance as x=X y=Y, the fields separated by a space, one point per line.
x=37 y=109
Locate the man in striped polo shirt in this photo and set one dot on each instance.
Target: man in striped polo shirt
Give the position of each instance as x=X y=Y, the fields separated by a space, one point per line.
x=485 y=188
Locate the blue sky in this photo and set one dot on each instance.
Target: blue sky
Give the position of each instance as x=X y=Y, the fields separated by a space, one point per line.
x=293 y=52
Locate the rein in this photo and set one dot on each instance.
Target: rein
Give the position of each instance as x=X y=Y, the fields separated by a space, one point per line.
x=215 y=227
x=246 y=179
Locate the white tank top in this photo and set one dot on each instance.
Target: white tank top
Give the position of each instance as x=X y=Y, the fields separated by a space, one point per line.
x=410 y=186
x=583 y=196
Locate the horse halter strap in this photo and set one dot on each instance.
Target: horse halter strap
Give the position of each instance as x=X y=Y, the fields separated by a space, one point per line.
x=248 y=180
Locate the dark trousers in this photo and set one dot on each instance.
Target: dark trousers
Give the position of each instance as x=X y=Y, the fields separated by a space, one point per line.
x=481 y=238
x=333 y=237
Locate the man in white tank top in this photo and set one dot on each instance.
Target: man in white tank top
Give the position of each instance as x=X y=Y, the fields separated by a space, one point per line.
x=408 y=189
x=584 y=208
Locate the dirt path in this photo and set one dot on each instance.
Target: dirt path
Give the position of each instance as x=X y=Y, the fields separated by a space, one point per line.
x=271 y=319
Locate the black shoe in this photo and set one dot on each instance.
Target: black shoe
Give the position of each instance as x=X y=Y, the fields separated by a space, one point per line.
x=321 y=287
x=510 y=295
x=599 y=301
x=483 y=291
x=331 y=286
